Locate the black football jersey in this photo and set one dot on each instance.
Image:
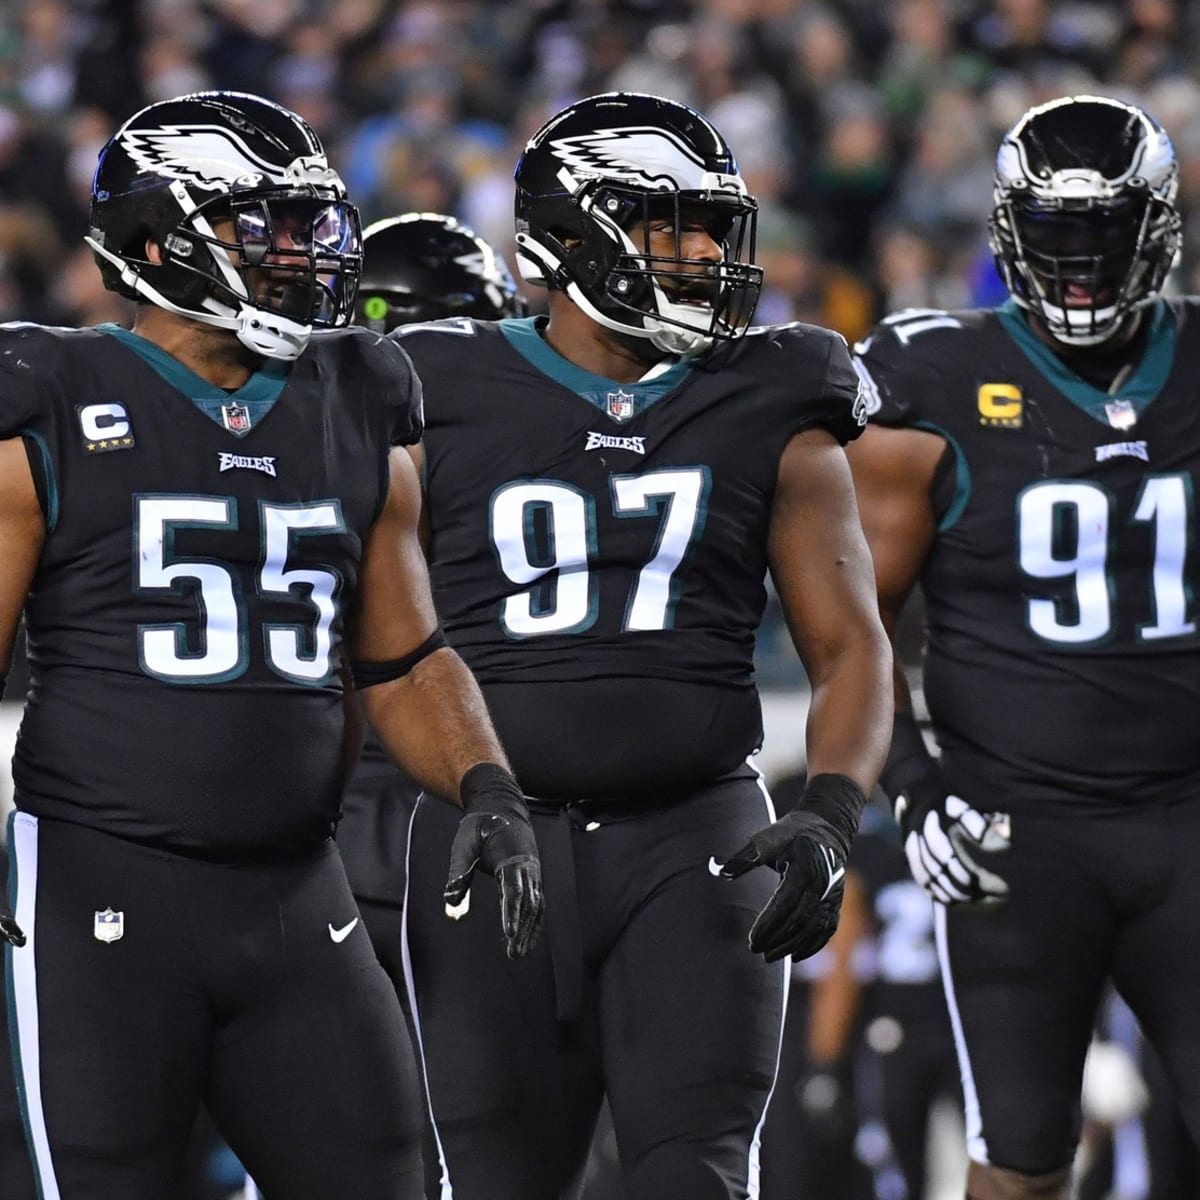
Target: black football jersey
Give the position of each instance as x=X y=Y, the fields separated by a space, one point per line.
x=603 y=546
x=1063 y=663
x=185 y=622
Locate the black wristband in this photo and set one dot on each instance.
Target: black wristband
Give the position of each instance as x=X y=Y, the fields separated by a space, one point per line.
x=838 y=801
x=491 y=780
x=909 y=759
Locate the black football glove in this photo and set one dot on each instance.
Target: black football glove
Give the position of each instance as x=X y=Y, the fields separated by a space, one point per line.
x=808 y=847
x=496 y=835
x=947 y=843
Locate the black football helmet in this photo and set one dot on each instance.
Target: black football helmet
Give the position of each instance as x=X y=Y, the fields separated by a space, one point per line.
x=610 y=163
x=426 y=266
x=291 y=251
x=1084 y=226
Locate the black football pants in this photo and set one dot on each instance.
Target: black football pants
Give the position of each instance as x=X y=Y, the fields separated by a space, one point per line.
x=151 y=981
x=1093 y=896
x=641 y=986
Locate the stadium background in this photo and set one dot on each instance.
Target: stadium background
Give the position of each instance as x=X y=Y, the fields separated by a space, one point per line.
x=867 y=131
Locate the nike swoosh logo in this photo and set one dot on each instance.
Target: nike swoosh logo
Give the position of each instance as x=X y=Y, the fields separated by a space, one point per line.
x=834 y=876
x=340 y=935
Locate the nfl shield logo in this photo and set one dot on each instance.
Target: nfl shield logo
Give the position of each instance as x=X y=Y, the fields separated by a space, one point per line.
x=1121 y=414
x=236 y=417
x=109 y=926
x=620 y=405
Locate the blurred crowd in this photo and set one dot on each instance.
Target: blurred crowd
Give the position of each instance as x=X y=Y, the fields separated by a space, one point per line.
x=867 y=130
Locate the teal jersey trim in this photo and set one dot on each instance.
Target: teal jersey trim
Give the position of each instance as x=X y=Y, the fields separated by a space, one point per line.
x=962 y=476
x=1138 y=390
x=522 y=335
x=258 y=394
x=51 y=480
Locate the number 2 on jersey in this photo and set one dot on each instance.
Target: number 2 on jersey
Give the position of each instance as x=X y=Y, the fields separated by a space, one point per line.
x=676 y=497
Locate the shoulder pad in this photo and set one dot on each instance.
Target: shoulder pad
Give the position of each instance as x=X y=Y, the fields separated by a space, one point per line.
x=808 y=368
x=460 y=326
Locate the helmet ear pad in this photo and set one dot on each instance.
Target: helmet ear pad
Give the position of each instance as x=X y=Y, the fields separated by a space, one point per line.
x=580 y=251
x=155 y=216
x=590 y=256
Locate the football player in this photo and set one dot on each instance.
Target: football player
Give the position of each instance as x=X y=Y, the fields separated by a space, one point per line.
x=416 y=267
x=1034 y=467
x=205 y=522
x=605 y=491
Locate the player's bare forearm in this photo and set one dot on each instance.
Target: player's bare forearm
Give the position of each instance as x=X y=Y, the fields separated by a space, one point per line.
x=893 y=471
x=850 y=716
x=434 y=722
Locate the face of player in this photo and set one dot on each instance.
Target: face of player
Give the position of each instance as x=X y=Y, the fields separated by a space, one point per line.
x=1081 y=258
x=690 y=247
x=284 y=250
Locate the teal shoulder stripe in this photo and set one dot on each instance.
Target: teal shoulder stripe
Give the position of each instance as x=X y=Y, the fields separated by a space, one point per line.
x=962 y=476
x=1139 y=390
x=522 y=334
x=51 y=481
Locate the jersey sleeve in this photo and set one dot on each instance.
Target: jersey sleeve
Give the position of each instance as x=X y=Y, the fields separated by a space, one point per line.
x=26 y=381
x=406 y=417
x=890 y=373
x=843 y=399
x=819 y=377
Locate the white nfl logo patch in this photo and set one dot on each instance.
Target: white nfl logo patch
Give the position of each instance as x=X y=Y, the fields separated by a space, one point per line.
x=109 y=926
x=236 y=418
x=1121 y=414
x=620 y=405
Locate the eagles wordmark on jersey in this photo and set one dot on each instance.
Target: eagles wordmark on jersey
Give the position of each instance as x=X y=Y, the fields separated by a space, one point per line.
x=627 y=539
x=1065 y=570
x=188 y=570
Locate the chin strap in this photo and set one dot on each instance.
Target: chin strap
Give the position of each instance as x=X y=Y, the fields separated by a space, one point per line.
x=266 y=334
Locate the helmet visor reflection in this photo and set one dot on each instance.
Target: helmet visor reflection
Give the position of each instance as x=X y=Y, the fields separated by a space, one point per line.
x=300 y=256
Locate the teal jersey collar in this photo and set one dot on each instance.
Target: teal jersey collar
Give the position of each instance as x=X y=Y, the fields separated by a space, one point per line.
x=621 y=400
x=256 y=395
x=1138 y=390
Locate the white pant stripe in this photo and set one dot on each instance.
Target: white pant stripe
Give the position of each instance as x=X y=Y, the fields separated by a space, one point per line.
x=977 y=1149
x=753 y=1177
x=24 y=850
x=447 y=1188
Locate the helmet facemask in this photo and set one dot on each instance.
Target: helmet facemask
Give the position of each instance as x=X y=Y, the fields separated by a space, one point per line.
x=289 y=261
x=1084 y=226
x=682 y=305
x=1083 y=266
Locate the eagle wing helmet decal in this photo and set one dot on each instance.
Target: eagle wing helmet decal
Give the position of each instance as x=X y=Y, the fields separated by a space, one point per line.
x=645 y=157
x=206 y=156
